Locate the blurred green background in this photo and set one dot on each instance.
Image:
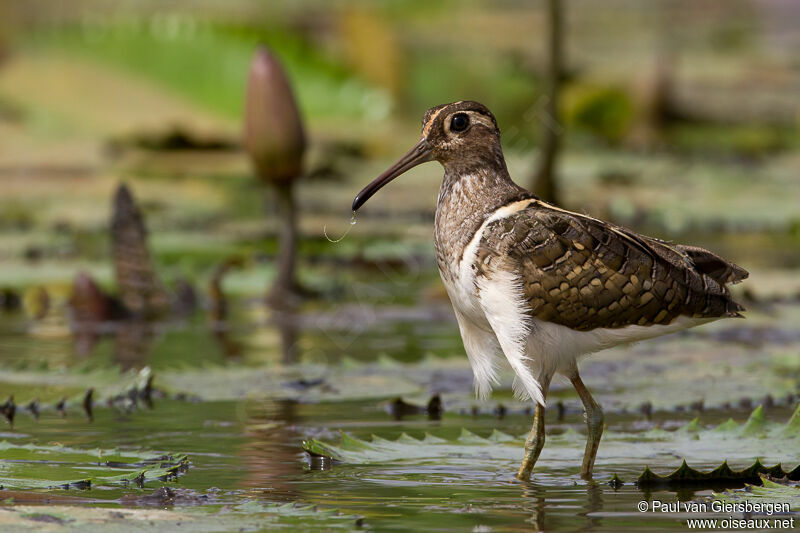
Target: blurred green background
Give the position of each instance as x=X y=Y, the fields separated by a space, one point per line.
x=678 y=118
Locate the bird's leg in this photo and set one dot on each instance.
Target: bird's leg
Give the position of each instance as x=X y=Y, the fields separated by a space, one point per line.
x=535 y=441
x=533 y=445
x=594 y=423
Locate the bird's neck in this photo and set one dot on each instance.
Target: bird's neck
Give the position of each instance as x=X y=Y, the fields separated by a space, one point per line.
x=468 y=196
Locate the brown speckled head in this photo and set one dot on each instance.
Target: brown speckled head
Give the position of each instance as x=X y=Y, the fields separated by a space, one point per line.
x=462 y=136
x=435 y=113
x=464 y=131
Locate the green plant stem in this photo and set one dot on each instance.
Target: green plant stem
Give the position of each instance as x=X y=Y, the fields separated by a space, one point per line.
x=285 y=284
x=544 y=184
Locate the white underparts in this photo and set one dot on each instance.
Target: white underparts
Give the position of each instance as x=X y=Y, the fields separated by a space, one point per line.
x=483 y=352
x=502 y=300
x=558 y=345
x=482 y=342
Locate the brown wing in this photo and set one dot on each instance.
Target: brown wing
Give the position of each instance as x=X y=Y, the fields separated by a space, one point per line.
x=713 y=265
x=584 y=273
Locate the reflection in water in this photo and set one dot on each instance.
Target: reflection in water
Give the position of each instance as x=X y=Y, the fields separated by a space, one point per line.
x=230 y=347
x=594 y=503
x=132 y=340
x=399 y=408
x=139 y=343
x=217 y=300
x=218 y=309
x=132 y=343
x=536 y=502
x=91 y=311
x=270 y=454
x=85 y=339
x=539 y=498
x=286 y=320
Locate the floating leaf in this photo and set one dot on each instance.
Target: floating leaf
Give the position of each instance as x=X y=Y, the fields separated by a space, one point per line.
x=754 y=427
x=693 y=426
x=686 y=475
x=770 y=491
x=45 y=467
x=703 y=446
x=235 y=383
x=499 y=436
x=615 y=482
x=727 y=426
x=45 y=388
x=467 y=437
x=792 y=428
x=249 y=516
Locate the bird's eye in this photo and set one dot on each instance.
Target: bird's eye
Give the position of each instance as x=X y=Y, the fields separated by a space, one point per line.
x=459 y=122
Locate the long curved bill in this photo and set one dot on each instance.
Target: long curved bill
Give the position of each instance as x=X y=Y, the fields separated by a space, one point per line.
x=419 y=154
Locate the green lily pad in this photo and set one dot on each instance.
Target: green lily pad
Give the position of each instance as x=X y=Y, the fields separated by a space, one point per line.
x=33 y=466
x=770 y=490
x=738 y=443
x=50 y=386
x=303 y=383
x=245 y=517
x=686 y=475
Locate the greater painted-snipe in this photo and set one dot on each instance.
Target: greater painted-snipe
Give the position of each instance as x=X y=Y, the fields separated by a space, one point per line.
x=541 y=285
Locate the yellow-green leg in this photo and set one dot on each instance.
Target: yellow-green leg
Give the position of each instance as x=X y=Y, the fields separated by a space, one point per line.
x=535 y=441
x=594 y=424
x=533 y=445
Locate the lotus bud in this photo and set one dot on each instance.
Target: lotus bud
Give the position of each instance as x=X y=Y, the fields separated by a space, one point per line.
x=139 y=287
x=273 y=130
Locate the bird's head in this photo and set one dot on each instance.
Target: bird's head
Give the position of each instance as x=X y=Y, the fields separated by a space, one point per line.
x=458 y=135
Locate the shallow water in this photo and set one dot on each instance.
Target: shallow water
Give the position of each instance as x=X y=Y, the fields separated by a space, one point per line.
x=250 y=447
x=253 y=450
